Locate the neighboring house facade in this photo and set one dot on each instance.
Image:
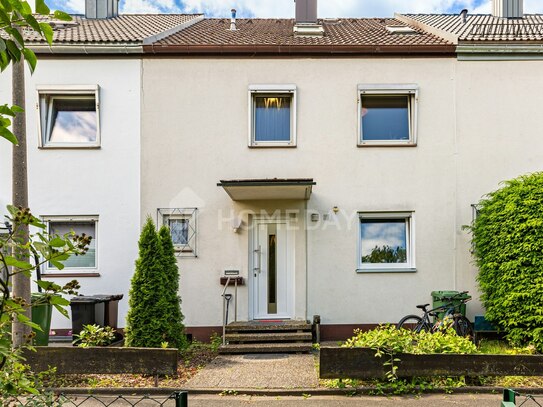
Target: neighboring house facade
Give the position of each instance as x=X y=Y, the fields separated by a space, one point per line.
x=333 y=163
x=498 y=93
x=83 y=107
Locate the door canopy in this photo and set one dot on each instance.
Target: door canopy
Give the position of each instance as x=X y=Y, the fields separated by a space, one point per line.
x=268 y=189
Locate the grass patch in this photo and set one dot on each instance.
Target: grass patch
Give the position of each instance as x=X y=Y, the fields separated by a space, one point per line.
x=497 y=347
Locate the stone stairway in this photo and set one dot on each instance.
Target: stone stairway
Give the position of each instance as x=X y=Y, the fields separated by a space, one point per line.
x=268 y=337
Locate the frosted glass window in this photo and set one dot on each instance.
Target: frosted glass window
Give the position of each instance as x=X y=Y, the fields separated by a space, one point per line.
x=179 y=229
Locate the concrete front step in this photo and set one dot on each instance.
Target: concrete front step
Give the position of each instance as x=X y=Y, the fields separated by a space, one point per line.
x=263 y=326
x=269 y=337
x=266 y=348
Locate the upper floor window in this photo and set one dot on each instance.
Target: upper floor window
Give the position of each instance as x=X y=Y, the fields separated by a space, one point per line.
x=387 y=114
x=272 y=121
x=69 y=116
x=386 y=242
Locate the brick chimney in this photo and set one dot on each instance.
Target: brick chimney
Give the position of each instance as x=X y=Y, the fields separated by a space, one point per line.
x=99 y=9
x=508 y=8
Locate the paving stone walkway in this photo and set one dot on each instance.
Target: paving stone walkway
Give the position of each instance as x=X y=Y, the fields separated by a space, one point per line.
x=259 y=371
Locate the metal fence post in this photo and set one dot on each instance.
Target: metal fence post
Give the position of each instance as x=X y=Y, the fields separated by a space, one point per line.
x=181 y=399
x=508 y=398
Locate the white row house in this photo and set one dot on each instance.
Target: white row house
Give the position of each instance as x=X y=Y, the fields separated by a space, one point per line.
x=329 y=165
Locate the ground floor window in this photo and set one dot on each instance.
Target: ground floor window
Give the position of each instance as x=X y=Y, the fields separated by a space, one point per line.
x=78 y=225
x=386 y=242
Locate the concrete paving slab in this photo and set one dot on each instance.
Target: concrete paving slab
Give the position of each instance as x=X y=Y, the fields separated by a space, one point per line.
x=466 y=400
x=258 y=371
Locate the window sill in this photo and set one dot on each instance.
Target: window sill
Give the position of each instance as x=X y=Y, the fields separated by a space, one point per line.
x=387 y=270
x=71 y=274
x=378 y=144
x=69 y=147
x=272 y=146
x=177 y=250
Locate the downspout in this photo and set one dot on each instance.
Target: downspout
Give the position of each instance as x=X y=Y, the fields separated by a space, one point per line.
x=306 y=260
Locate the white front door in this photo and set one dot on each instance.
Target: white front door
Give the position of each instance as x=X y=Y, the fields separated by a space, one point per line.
x=273 y=270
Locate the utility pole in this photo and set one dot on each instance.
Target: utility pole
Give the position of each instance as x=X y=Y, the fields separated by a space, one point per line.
x=21 y=283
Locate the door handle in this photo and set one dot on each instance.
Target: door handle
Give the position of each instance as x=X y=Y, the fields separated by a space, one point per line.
x=258 y=259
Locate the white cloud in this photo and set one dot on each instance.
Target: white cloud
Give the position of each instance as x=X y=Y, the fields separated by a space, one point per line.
x=330 y=8
x=70 y=6
x=285 y=8
x=149 y=6
x=533 y=6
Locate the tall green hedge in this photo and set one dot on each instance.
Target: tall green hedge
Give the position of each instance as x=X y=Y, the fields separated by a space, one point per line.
x=508 y=248
x=152 y=317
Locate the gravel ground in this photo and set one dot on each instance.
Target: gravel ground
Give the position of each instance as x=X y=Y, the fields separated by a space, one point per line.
x=265 y=371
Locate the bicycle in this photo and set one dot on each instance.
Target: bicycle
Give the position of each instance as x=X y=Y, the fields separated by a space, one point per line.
x=461 y=325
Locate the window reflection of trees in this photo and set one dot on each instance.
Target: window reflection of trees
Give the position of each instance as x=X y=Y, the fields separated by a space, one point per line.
x=386 y=254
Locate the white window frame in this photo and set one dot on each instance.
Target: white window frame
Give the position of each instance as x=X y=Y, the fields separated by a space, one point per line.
x=410 y=90
x=272 y=90
x=44 y=116
x=190 y=248
x=409 y=266
x=68 y=219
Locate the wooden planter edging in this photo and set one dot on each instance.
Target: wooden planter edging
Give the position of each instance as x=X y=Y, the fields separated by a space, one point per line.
x=361 y=363
x=103 y=360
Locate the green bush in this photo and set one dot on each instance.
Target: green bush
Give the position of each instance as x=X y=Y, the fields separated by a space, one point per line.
x=387 y=339
x=508 y=249
x=95 y=335
x=388 y=342
x=154 y=316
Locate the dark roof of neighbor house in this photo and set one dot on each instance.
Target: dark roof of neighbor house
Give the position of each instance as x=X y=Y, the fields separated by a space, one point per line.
x=479 y=27
x=126 y=28
x=276 y=36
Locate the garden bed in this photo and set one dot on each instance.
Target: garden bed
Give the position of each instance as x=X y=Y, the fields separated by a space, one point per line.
x=114 y=360
x=361 y=363
x=190 y=362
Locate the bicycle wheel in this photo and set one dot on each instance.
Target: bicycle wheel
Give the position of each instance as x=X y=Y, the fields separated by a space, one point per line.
x=462 y=326
x=413 y=323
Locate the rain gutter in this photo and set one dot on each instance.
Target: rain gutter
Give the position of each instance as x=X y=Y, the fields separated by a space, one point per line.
x=299 y=50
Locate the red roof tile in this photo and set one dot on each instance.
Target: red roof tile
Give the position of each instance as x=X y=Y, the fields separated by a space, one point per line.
x=126 y=28
x=274 y=35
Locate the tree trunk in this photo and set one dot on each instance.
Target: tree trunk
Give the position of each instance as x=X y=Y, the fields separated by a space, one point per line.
x=21 y=283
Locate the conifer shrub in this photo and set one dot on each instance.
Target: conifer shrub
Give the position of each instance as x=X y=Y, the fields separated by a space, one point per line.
x=508 y=249
x=175 y=334
x=151 y=318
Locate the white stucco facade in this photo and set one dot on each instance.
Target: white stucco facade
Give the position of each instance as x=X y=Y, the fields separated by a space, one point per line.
x=102 y=182
x=172 y=128
x=475 y=129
